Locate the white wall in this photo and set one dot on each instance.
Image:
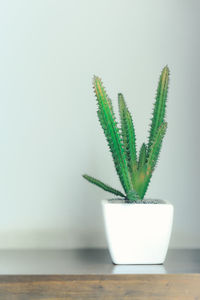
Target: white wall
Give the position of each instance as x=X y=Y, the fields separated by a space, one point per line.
x=49 y=132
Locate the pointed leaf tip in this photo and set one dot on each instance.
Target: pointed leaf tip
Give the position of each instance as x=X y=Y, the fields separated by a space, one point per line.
x=166 y=70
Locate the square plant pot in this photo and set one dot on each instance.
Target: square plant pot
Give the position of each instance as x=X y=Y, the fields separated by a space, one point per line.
x=138 y=233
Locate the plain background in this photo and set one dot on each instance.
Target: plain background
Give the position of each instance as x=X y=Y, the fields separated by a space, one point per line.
x=49 y=132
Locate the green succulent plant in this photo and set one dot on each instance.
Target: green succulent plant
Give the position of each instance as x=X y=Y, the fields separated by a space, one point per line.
x=134 y=171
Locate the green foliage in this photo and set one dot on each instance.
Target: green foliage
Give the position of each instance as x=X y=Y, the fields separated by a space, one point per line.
x=160 y=105
x=152 y=159
x=128 y=135
x=134 y=173
x=104 y=186
x=109 y=124
x=142 y=156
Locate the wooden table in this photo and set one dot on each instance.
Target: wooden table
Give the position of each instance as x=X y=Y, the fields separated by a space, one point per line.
x=90 y=274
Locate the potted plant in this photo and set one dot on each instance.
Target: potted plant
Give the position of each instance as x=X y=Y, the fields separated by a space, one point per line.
x=137 y=229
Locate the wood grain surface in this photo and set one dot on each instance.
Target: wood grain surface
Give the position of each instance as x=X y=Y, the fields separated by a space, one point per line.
x=150 y=287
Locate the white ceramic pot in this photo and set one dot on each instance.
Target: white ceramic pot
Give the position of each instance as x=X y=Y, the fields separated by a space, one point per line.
x=138 y=233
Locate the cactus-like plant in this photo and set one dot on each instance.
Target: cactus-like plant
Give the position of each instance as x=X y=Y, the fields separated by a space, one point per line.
x=134 y=171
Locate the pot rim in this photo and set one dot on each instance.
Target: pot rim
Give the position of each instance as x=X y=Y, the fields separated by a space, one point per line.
x=118 y=201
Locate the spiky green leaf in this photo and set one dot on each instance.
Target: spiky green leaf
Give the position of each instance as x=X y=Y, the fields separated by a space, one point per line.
x=133 y=196
x=155 y=147
x=104 y=186
x=108 y=122
x=128 y=136
x=153 y=158
x=142 y=156
x=159 y=106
